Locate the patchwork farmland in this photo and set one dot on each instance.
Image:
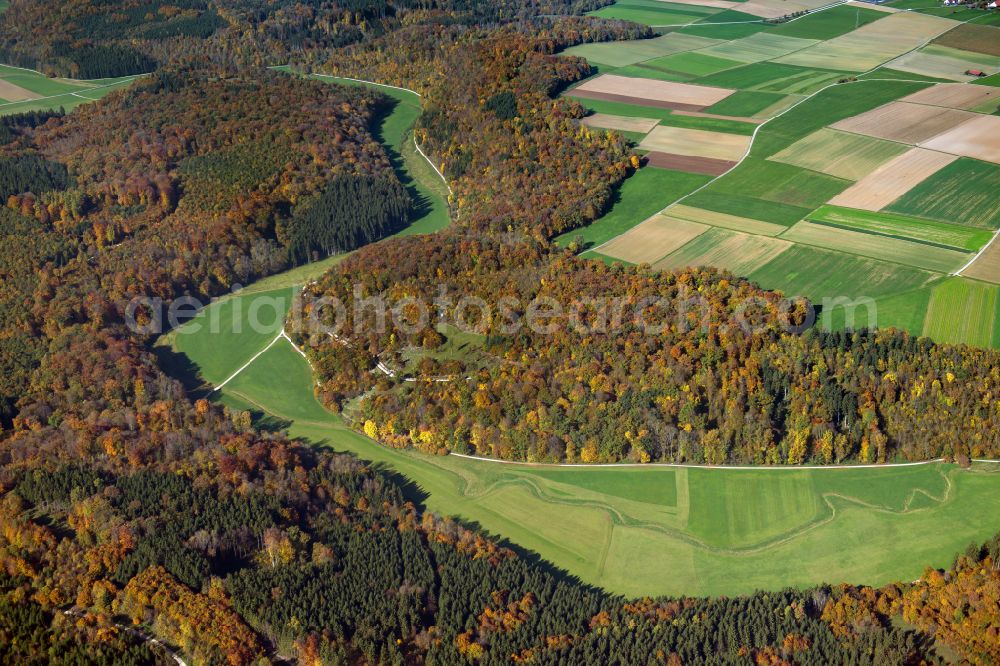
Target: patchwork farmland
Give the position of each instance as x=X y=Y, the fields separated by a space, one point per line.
x=24 y=90
x=850 y=154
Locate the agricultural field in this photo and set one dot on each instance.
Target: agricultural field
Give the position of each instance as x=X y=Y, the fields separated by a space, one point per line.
x=655 y=12
x=658 y=236
x=722 y=531
x=840 y=192
x=972 y=37
x=962 y=310
x=987 y=265
x=920 y=255
x=839 y=154
x=27 y=90
x=737 y=252
x=941 y=234
x=893 y=179
x=972 y=188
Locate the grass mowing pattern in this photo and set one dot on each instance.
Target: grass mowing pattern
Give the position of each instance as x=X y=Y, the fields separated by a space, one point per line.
x=971 y=199
x=651 y=530
x=66 y=96
x=962 y=310
x=220 y=349
x=878 y=247
x=710 y=124
x=654 y=12
x=745 y=103
x=818 y=274
x=840 y=154
x=826 y=108
x=829 y=23
x=624 y=109
x=940 y=234
x=647 y=192
x=779 y=183
x=905 y=311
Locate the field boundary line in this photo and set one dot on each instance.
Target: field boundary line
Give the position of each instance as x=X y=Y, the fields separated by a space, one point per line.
x=722 y=467
x=67 y=94
x=753 y=137
x=981 y=250
x=252 y=359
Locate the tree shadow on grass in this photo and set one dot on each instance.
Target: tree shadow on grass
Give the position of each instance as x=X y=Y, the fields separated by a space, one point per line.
x=179 y=366
x=421 y=205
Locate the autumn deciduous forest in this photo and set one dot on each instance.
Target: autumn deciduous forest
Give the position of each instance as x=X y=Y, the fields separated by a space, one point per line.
x=129 y=503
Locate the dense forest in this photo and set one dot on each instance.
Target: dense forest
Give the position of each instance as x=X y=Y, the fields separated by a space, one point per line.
x=128 y=503
x=232 y=547
x=194 y=193
x=715 y=371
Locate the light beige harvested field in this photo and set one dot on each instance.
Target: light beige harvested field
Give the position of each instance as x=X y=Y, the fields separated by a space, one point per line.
x=721 y=4
x=893 y=179
x=740 y=253
x=658 y=91
x=12 y=93
x=776 y=8
x=978 y=138
x=623 y=123
x=724 y=220
x=872 y=44
x=656 y=237
x=906 y=252
x=955 y=95
x=697 y=143
x=840 y=154
x=943 y=63
x=987 y=266
x=905 y=122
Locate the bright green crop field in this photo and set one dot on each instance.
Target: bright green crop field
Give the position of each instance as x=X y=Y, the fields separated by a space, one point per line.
x=646 y=529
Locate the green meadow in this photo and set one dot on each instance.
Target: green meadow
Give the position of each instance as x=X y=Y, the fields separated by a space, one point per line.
x=651 y=529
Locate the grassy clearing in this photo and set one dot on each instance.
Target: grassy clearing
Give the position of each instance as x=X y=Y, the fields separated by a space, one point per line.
x=829 y=23
x=652 y=530
x=840 y=154
x=971 y=188
x=939 y=234
x=647 y=192
x=906 y=252
x=745 y=103
x=819 y=273
x=962 y=311
x=226 y=334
